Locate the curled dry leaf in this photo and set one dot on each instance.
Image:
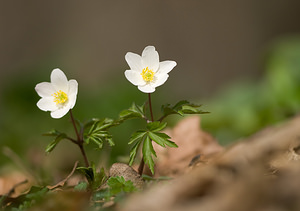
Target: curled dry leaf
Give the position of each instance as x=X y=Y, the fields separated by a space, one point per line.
x=195 y=146
x=14 y=183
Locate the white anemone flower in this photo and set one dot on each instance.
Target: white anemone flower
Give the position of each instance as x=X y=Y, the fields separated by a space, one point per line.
x=58 y=96
x=146 y=71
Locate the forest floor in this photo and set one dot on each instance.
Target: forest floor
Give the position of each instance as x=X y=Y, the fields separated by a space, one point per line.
x=261 y=172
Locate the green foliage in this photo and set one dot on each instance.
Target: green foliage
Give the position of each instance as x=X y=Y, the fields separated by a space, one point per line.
x=116 y=189
x=181 y=108
x=148 y=151
x=25 y=201
x=98 y=132
x=95 y=179
x=58 y=137
x=118 y=185
x=134 y=111
x=81 y=186
x=146 y=137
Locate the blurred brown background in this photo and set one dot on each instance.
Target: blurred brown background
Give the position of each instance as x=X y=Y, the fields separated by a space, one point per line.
x=213 y=42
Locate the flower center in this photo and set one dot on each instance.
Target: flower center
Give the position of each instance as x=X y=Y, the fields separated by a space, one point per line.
x=60 y=97
x=147 y=75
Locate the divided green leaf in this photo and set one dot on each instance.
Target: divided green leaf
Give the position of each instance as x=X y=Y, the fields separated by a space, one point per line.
x=53 y=144
x=98 y=132
x=81 y=186
x=137 y=135
x=162 y=139
x=181 y=108
x=99 y=178
x=119 y=185
x=134 y=111
x=156 y=126
x=133 y=151
x=148 y=151
x=53 y=132
x=88 y=172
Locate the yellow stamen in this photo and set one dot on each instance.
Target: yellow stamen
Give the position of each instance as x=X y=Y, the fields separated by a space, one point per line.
x=60 y=97
x=147 y=75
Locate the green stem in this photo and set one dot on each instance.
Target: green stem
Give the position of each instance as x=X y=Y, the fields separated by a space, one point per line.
x=142 y=163
x=79 y=140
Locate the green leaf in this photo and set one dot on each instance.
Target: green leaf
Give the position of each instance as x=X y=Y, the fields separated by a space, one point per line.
x=168 y=109
x=81 y=186
x=159 y=140
x=192 y=109
x=162 y=139
x=88 y=172
x=189 y=109
x=52 y=133
x=148 y=151
x=180 y=104
x=119 y=185
x=133 y=151
x=96 y=140
x=110 y=141
x=134 y=111
x=156 y=126
x=99 y=178
x=98 y=132
x=171 y=144
x=53 y=144
x=181 y=108
x=136 y=136
x=27 y=200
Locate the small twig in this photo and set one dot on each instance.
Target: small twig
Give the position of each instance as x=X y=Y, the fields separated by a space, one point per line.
x=72 y=140
x=62 y=183
x=13 y=189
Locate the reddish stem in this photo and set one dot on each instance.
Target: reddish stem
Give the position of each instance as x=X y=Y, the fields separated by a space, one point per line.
x=79 y=140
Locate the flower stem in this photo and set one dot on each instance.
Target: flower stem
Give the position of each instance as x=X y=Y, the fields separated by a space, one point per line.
x=84 y=155
x=150 y=106
x=79 y=140
x=74 y=125
x=142 y=163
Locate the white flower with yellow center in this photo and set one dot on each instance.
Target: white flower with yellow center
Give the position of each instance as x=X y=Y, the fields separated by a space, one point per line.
x=146 y=71
x=58 y=96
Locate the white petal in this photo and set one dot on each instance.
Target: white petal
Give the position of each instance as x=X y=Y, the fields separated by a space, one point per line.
x=160 y=80
x=45 y=89
x=59 y=80
x=134 y=77
x=60 y=112
x=150 y=58
x=134 y=61
x=147 y=88
x=72 y=94
x=166 y=66
x=73 y=87
x=72 y=100
x=46 y=104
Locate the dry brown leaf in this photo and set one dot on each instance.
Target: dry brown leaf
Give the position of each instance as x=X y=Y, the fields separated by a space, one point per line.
x=192 y=142
x=258 y=173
